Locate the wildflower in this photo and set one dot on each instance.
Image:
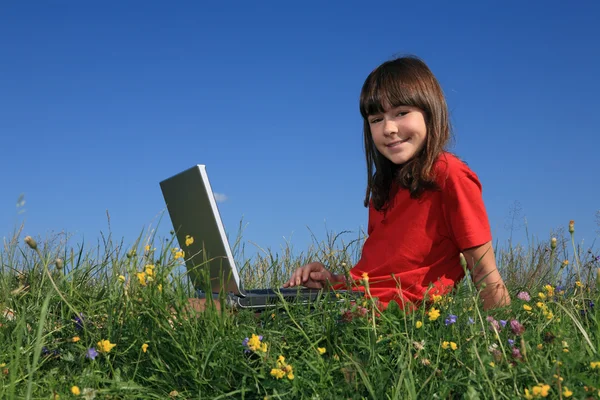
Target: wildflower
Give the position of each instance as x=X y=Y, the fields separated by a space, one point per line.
x=159 y=287
x=517 y=327
x=511 y=342
x=149 y=269
x=282 y=369
x=553 y=243
x=540 y=304
x=579 y=284
x=523 y=296
x=173 y=393
x=436 y=298
x=550 y=290
x=419 y=324
x=571 y=226
x=59 y=263
x=188 y=240
x=142 y=278
x=145 y=347
x=91 y=353
x=540 y=346
x=491 y=364
x=451 y=319
x=494 y=324
x=79 y=321
x=565 y=263
x=446 y=345
x=542 y=296
x=121 y=278
x=595 y=364
x=567 y=392
x=433 y=314
x=549 y=315
x=365 y=277
x=75 y=390
x=30 y=242
x=516 y=353
x=89 y=393
x=471 y=321
x=527 y=307
x=178 y=253
x=255 y=344
x=75 y=339
x=321 y=350
x=105 y=346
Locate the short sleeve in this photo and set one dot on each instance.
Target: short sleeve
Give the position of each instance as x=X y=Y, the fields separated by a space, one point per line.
x=464 y=209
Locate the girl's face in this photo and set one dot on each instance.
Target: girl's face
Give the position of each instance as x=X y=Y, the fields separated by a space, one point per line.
x=399 y=133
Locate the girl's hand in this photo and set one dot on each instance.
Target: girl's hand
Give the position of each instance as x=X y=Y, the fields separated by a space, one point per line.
x=313 y=276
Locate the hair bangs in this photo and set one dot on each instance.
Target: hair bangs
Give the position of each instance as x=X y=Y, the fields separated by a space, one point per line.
x=385 y=88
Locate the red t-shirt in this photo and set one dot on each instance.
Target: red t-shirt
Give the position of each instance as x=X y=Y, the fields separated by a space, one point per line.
x=420 y=240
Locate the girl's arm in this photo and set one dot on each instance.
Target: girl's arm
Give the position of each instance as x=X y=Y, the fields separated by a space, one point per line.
x=482 y=264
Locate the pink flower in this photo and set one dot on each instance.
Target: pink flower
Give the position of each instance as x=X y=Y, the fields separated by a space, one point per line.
x=494 y=324
x=524 y=296
x=517 y=327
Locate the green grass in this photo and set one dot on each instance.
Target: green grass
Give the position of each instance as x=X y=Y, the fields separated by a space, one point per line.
x=44 y=304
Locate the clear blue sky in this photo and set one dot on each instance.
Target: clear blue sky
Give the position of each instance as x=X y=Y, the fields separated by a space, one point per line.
x=99 y=101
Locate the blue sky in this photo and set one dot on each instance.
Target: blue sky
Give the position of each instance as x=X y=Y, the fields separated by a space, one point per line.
x=99 y=101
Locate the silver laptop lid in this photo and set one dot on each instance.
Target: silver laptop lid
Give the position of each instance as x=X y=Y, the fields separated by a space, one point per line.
x=194 y=212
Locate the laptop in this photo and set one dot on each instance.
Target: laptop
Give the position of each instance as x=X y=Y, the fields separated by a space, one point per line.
x=194 y=213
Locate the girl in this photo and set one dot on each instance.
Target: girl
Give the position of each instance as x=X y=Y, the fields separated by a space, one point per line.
x=425 y=205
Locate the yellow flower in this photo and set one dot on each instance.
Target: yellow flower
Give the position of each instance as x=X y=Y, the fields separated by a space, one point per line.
x=566 y=262
x=549 y=316
x=579 y=284
x=527 y=307
x=149 y=269
x=491 y=364
x=122 y=278
x=321 y=350
x=188 y=240
x=419 y=324
x=540 y=304
x=445 y=345
x=365 y=277
x=595 y=364
x=75 y=339
x=277 y=373
x=433 y=314
x=178 y=253
x=567 y=392
x=437 y=298
x=255 y=344
x=550 y=290
x=527 y=394
x=540 y=346
x=453 y=346
x=105 y=346
x=145 y=347
x=159 y=287
x=75 y=390
x=542 y=296
x=142 y=278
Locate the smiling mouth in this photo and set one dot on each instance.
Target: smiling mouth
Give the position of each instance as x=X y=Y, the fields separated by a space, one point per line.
x=396 y=143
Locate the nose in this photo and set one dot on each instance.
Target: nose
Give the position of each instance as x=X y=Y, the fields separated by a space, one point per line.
x=389 y=127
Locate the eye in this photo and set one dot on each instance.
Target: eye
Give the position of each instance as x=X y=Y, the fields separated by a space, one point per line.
x=374 y=120
x=402 y=113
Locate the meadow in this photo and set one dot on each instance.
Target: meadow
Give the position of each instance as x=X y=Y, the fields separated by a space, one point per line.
x=113 y=323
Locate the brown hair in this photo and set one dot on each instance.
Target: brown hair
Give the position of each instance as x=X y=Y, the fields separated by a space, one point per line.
x=404 y=81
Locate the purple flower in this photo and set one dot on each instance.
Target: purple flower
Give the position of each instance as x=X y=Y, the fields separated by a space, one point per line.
x=91 y=353
x=79 y=321
x=494 y=324
x=516 y=353
x=524 y=296
x=471 y=321
x=516 y=327
x=503 y=323
x=511 y=342
x=451 y=319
